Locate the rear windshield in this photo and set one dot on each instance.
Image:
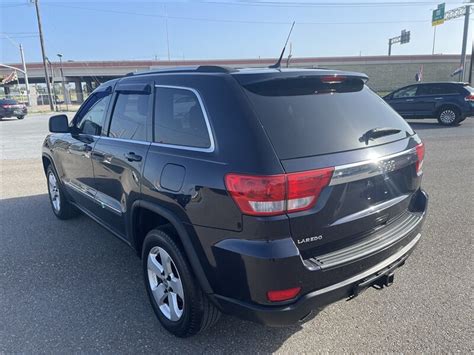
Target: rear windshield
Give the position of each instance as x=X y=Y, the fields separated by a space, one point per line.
x=305 y=117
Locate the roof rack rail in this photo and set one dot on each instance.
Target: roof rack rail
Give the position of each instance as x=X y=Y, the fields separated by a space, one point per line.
x=198 y=68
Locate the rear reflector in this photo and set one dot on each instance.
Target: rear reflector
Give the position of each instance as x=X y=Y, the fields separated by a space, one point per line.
x=283 y=295
x=420 y=152
x=277 y=194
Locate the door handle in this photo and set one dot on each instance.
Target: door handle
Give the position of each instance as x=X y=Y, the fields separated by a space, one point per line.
x=409 y=100
x=131 y=156
x=438 y=98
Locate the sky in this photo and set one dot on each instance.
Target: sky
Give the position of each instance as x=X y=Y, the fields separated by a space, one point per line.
x=219 y=29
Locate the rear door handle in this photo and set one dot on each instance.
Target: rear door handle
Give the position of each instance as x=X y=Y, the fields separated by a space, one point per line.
x=438 y=98
x=131 y=156
x=410 y=100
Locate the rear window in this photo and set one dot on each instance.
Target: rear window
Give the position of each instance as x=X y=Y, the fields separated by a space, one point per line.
x=438 y=89
x=304 y=117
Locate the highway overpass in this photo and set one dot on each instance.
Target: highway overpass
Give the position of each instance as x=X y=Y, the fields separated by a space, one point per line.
x=385 y=73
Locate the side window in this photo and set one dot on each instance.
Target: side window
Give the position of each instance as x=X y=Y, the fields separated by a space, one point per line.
x=406 y=92
x=129 y=117
x=92 y=117
x=179 y=119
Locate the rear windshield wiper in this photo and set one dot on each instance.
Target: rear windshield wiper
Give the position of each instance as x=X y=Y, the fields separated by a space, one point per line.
x=375 y=133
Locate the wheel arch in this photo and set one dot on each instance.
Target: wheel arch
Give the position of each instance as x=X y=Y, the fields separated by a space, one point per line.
x=181 y=233
x=446 y=106
x=47 y=161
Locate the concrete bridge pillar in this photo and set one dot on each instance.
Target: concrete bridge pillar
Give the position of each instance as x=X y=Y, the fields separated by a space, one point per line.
x=79 y=92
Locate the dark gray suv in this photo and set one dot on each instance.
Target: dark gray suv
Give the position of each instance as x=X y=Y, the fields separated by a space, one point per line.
x=262 y=193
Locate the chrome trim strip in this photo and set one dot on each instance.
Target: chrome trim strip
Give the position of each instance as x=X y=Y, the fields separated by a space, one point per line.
x=206 y=118
x=93 y=198
x=370 y=210
x=373 y=167
x=125 y=140
x=370 y=271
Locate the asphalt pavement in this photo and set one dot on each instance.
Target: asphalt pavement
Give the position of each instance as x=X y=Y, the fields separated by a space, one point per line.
x=72 y=286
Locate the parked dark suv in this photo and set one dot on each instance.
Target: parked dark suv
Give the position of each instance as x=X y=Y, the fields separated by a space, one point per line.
x=261 y=193
x=11 y=108
x=451 y=102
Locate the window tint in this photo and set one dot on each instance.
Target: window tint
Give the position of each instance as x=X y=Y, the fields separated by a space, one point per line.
x=130 y=116
x=306 y=125
x=179 y=119
x=438 y=89
x=91 y=117
x=406 y=92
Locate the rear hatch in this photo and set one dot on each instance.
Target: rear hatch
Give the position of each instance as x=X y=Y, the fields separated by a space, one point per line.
x=318 y=120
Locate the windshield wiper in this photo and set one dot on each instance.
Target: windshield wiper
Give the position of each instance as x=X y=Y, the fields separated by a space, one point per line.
x=375 y=133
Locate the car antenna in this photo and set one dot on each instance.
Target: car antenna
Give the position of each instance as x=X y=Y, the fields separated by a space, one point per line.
x=278 y=63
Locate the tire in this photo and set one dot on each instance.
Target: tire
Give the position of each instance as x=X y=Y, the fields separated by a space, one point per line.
x=20 y=117
x=449 y=116
x=177 y=299
x=62 y=208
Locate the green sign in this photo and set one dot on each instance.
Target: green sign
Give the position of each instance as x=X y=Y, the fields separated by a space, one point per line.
x=438 y=15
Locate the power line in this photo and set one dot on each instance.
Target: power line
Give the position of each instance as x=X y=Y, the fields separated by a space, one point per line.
x=326 y=4
x=128 y=13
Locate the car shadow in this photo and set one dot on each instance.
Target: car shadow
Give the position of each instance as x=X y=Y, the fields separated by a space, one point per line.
x=70 y=285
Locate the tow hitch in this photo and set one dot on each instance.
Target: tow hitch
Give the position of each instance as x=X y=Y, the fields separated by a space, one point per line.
x=383 y=278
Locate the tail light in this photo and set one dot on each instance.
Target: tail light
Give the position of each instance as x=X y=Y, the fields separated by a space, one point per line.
x=333 y=79
x=7 y=106
x=469 y=97
x=283 y=295
x=420 y=152
x=277 y=194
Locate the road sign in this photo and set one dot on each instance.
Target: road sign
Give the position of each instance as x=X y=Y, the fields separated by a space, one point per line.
x=405 y=37
x=438 y=15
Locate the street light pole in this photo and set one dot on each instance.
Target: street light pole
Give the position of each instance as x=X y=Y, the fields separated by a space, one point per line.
x=25 y=73
x=43 y=53
x=66 y=95
x=462 y=74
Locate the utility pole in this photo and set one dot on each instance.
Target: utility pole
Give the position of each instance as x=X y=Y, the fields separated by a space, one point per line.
x=462 y=74
x=470 y=65
x=66 y=94
x=51 y=70
x=25 y=73
x=40 y=30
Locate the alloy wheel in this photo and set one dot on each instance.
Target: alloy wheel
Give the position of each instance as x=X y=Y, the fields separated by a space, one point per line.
x=447 y=116
x=165 y=284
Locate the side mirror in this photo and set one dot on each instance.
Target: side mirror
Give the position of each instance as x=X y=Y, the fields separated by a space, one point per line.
x=59 y=124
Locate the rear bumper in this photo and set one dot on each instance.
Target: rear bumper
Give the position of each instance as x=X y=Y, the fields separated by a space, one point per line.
x=13 y=112
x=313 y=301
x=319 y=287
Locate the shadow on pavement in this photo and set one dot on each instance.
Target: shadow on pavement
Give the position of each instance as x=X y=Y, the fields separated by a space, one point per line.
x=72 y=286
